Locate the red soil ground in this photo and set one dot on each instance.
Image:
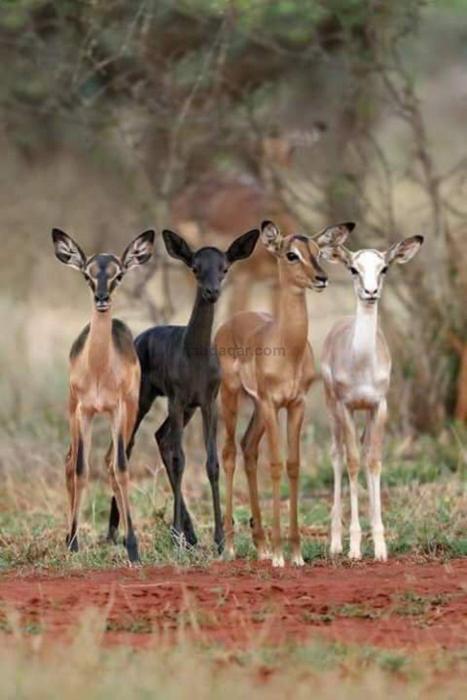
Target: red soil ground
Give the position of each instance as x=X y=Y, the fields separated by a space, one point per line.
x=402 y=604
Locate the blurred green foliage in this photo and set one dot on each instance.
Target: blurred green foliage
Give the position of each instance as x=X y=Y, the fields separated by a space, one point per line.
x=70 y=62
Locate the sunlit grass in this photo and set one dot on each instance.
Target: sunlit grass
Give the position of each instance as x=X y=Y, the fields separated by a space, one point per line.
x=33 y=667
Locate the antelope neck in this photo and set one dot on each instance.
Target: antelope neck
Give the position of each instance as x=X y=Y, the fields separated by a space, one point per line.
x=293 y=318
x=197 y=337
x=100 y=340
x=365 y=331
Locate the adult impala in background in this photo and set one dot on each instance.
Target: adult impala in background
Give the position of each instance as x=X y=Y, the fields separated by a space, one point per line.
x=220 y=205
x=356 y=369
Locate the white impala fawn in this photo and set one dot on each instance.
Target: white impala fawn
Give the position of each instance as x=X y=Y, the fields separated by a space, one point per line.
x=356 y=369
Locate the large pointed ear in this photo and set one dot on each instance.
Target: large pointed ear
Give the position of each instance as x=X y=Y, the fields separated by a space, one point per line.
x=67 y=251
x=243 y=246
x=138 y=251
x=334 y=235
x=177 y=247
x=331 y=238
x=404 y=251
x=272 y=238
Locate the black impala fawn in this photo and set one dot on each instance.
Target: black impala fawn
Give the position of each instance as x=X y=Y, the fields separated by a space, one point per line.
x=180 y=363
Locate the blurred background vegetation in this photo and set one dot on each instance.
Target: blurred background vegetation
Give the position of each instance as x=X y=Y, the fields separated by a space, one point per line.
x=209 y=115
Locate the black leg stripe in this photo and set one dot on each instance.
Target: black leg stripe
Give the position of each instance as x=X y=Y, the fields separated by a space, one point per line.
x=121 y=456
x=80 y=459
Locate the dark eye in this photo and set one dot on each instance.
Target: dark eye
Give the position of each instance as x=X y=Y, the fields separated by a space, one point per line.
x=384 y=270
x=353 y=270
x=292 y=257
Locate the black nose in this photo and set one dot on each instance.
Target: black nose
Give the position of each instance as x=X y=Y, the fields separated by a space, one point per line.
x=321 y=278
x=211 y=294
x=101 y=298
x=371 y=292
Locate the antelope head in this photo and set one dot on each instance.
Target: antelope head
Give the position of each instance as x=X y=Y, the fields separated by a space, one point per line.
x=298 y=255
x=369 y=267
x=103 y=272
x=209 y=264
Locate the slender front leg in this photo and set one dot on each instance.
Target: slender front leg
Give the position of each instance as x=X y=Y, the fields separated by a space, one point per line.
x=373 y=456
x=269 y=415
x=70 y=466
x=209 y=412
x=351 y=447
x=295 y=414
x=120 y=468
x=250 y=447
x=77 y=461
x=70 y=477
x=229 y=403
x=337 y=458
x=162 y=439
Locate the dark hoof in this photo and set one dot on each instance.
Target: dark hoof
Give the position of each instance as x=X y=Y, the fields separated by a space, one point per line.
x=189 y=532
x=190 y=538
x=72 y=543
x=133 y=556
x=133 y=552
x=112 y=536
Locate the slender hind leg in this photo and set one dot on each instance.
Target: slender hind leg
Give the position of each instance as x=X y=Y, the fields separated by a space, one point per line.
x=212 y=468
x=163 y=442
x=177 y=464
x=250 y=447
x=229 y=403
x=121 y=475
x=353 y=466
x=116 y=506
x=146 y=399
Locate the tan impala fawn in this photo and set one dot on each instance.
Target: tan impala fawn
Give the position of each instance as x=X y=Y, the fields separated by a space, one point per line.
x=270 y=360
x=356 y=369
x=104 y=378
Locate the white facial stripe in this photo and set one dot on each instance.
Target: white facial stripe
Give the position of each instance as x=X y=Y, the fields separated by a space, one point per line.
x=297 y=253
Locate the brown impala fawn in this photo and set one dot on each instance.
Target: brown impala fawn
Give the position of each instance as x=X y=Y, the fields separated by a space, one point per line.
x=104 y=377
x=270 y=359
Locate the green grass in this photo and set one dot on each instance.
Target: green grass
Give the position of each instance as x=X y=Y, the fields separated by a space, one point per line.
x=424 y=506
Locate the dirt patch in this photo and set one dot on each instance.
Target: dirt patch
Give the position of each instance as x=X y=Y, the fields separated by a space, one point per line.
x=400 y=604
